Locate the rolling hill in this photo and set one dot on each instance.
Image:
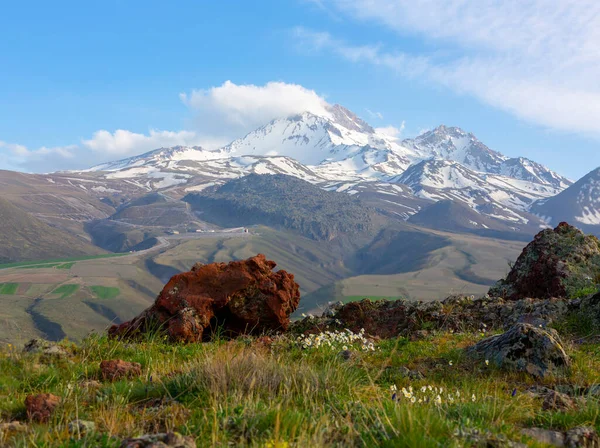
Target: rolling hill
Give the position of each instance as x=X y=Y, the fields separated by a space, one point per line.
x=24 y=237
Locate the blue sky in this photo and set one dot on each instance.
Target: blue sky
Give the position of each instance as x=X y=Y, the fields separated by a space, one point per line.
x=86 y=82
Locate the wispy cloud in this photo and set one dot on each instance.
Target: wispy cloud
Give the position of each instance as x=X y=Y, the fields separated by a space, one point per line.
x=372 y=114
x=536 y=59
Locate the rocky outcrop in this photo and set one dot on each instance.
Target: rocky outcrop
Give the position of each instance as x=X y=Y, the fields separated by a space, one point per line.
x=388 y=319
x=526 y=348
x=559 y=262
x=579 y=437
x=115 y=369
x=233 y=298
x=40 y=407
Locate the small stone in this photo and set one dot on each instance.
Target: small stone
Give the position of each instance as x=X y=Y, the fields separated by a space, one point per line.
x=90 y=384
x=546 y=436
x=555 y=401
x=346 y=355
x=115 y=369
x=171 y=439
x=81 y=427
x=582 y=436
x=40 y=407
x=412 y=374
x=11 y=428
x=419 y=335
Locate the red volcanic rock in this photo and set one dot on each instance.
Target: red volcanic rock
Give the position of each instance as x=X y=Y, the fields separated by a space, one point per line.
x=115 y=369
x=237 y=297
x=41 y=406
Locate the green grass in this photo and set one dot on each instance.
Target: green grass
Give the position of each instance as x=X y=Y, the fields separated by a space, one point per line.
x=66 y=290
x=40 y=266
x=248 y=394
x=105 y=292
x=64 y=260
x=66 y=265
x=8 y=288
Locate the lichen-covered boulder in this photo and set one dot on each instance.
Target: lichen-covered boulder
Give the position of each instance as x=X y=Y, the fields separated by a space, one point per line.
x=232 y=298
x=559 y=262
x=537 y=351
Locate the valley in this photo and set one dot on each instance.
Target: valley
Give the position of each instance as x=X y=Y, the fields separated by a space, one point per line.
x=72 y=298
x=349 y=211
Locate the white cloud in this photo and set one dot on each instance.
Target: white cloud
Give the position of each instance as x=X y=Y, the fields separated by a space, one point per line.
x=222 y=114
x=233 y=110
x=391 y=131
x=536 y=59
x=103 y=146
x=21 y=152
x=124 y=143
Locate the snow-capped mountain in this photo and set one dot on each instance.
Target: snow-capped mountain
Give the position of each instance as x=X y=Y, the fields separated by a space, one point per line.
x=579 y=204
x=338 y=150
x=489 y=194
x=163 y=157
x=313 y=139
x=454 y=144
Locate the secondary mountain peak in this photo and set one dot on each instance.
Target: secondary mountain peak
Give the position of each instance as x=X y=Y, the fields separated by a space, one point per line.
x=578 y=204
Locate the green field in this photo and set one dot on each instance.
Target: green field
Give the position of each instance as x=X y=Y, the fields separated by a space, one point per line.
x=66 y=290
x=40 y=266
x=8 y=288
x=66 y=265
x=105 y=292
x=58 y=261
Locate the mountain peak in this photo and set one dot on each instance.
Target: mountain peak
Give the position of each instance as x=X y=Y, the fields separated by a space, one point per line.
x=348 y=119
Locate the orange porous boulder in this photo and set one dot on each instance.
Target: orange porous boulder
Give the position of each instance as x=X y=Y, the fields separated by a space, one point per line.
x=115 y=369
x=233 y=298
x=41 y=406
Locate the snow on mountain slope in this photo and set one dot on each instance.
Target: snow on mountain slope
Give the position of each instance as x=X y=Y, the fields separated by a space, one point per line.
x=339 y=150
x=450 y=143
x=162 y=157
x=493 y=195
x=579 y=204
x=313 y=139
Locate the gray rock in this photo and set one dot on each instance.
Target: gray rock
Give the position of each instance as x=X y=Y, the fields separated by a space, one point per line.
x=81 y=427
x=332 y=309
x=525 y=348
x=555 y=401
x=579 y=437
x=171 y=439
x=582 y=436
x=46 y=348
x=547 y=436
x=486 y=439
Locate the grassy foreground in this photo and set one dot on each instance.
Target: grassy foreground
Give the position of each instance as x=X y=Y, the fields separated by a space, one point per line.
x=264 y=392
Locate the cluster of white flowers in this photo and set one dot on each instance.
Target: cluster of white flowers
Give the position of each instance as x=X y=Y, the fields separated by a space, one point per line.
x=429 y=394
x=344 y=340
